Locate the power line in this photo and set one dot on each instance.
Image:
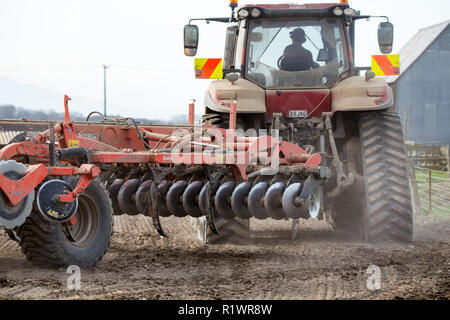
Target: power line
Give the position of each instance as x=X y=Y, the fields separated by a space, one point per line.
x=49 y=67
x=147 y=68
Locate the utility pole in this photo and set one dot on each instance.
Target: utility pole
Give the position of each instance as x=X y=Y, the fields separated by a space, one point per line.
x=104 y=88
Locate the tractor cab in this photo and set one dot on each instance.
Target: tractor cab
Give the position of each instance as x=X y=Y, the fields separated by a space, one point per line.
x=291 y=48
x=288 y=57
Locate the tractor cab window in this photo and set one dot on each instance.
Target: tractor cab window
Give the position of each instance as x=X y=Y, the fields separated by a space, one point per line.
x=296 y=53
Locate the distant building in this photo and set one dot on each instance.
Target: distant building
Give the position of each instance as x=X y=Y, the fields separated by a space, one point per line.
x=423 y=88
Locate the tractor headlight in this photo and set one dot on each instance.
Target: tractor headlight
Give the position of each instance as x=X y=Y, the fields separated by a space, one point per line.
x=349 y=12
x=255 y=13
x=338 y=11
x=243 y=13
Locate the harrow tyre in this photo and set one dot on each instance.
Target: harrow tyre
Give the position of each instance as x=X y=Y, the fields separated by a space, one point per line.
x=48 y=244
x=381 y=183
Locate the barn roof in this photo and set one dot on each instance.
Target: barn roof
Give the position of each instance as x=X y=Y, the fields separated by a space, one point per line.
x=415 y=47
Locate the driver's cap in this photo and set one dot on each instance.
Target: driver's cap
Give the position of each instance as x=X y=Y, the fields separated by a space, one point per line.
x=298 y=35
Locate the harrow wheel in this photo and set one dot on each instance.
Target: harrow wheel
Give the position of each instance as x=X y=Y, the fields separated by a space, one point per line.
x=377 y=207
x=13 y=216
x=83 y=242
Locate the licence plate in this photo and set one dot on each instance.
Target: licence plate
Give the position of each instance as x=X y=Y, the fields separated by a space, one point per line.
x=298 y=113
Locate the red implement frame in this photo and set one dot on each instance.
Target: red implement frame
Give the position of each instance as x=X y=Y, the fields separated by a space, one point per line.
x=122 y=144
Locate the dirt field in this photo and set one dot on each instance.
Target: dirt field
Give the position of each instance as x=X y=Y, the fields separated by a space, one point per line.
x=316 y=265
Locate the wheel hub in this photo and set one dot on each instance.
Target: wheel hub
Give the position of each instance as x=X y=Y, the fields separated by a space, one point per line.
x=49 y=205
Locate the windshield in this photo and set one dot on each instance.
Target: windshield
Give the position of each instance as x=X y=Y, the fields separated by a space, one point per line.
x=296 y=53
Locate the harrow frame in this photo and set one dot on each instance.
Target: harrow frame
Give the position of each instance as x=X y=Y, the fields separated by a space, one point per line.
x=39 y=150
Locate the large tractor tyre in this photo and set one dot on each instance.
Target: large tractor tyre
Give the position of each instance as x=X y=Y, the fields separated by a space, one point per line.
x=243 y=121
x=236 y=230
x=221 y=120
x=377 y=207
x=83 y=244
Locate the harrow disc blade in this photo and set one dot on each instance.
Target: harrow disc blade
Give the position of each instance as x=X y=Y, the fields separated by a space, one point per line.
x=142 y=197
x=189 y=199
x=173 y=198
x=272 y=201
x=11 y=217
x=238 y=200
x=313 y=203
x=255 y=201
x=221 y=200
x=125 y=197
x=113 y=192
x=163 y=188
x=202 y=200
x=291 y=209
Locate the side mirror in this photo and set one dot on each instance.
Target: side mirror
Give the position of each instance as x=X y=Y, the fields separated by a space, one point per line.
x=190 y=40
x=385 y=37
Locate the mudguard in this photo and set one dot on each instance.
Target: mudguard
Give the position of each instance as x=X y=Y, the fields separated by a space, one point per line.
x=249 y=97
x=359 y=94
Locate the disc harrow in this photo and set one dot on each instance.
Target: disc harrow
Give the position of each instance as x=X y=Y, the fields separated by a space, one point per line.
x=162 y=171
x=244 y=200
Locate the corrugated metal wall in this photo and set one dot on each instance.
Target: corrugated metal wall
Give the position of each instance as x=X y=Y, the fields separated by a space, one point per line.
x=425 y=91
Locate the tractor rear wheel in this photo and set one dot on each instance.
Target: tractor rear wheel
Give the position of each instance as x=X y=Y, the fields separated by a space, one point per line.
x=377 y=207
x=83 y=244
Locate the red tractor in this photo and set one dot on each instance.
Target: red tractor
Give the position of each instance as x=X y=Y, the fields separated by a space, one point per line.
x=291 y=67
x=291 y=133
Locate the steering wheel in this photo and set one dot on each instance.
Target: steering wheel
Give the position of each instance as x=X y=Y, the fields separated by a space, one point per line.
x=300 y=61
x=279 y=61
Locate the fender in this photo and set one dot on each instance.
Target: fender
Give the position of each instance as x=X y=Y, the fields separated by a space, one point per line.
x=358 y=94
x=249 y=97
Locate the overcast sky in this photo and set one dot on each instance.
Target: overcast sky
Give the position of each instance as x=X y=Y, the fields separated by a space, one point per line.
x=62 y=45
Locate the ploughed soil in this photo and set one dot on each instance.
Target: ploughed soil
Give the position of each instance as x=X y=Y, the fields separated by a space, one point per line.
x=317 y=264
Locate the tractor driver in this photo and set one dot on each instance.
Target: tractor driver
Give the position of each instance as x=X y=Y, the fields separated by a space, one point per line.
x=295 y=56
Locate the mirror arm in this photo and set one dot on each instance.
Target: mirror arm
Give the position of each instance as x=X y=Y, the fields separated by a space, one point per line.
x=356 y=71
x=368 y=17
x=225 y=71
x=223 y=20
